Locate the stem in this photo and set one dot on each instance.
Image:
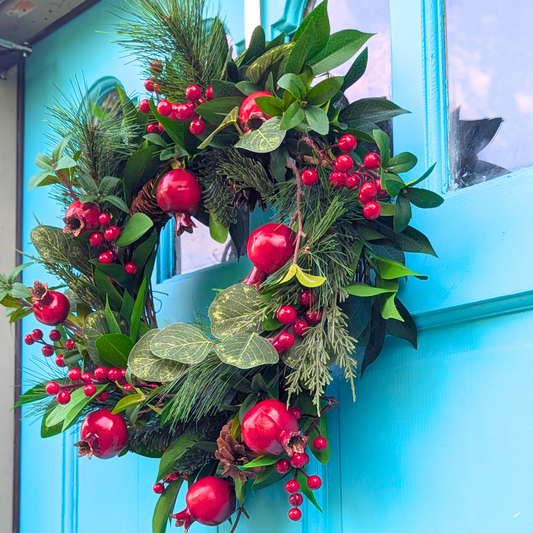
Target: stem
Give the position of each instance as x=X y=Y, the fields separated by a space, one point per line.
x=332 y=402
x=76 y=329
x=67 y=184
x=298 y=214
x=241 y=512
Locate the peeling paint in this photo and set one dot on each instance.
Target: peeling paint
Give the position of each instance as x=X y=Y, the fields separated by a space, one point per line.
x=21 y=9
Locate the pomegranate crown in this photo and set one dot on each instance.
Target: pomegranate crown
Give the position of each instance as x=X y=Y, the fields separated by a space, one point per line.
x=39 y=291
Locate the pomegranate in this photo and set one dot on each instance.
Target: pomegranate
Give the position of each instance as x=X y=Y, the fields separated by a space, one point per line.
x=250 y=116
x=80 y=218
x=179 y=193
x=49 y=307
x=210 y=501
x=103 y=434
x=269 y=428
x=269 y=248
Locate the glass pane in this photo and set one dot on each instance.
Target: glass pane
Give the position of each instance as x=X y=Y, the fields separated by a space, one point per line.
x=490 y=83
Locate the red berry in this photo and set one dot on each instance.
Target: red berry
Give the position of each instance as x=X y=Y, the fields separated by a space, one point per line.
x=320 y=443
x=63 y=397
x=182 y=112
x=37 y=334
x=286 y=340
x=371 y=210
x=314 y=482
x=48 y=351
x=296 y=499
x=381 y=192
x=292 y=486
x=337 y=180
x=123 y=372
x=294 y=514
x=193 y=92
x=352 y=181
x=157 y=89
x=130 y=268
x=160 y=127
x=106 y=258
x=70 y=344
x=159 y=488
x=299 y=460
x=89 y=390
x=87 y=377
x=74 y=374
x=149 y=84
x=343 y=163
x=300 y=327
x=347 y=143
x=202 y=100
x=283 y=466
x=156 y=66
x=307 y=298
x=197 y=127
x=173 y=477
x=296 y=412
x=102 y=397
x=209 y=93
x=368 y=192
x=96 y=239
x=112 y=233
x=192 y=109
x=100 y=373
x=278 y=347
x=28 y=339
x=52 y=388
x=60 y=362
x=372 y=160
x=152 y=127
x=104 y=219
x=114 y=374
x=164 y=108
x=314 y=316
x=287 y=315
x=128 y=387
x=103 y=434
x=144 y=106
x=309 y=177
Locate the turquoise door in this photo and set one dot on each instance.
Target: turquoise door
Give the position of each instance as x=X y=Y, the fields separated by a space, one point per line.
x=439 y=439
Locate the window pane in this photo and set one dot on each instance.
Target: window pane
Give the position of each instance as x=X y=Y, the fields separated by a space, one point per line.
x=490 y=84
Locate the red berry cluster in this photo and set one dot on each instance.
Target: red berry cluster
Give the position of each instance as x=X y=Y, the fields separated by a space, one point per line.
x=159 y=488
x=48 y=349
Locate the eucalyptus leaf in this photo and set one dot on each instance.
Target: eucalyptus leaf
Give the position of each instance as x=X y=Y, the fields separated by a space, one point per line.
x=246 y=350
x=266 y=139
x=182 y=343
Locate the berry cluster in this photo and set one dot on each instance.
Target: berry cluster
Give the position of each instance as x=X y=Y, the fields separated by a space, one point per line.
x=159 y=488
x=48 y=349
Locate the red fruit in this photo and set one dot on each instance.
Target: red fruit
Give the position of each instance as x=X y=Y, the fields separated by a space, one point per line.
x=197 y=127
x=144 y=106
x=100 y=373
x=286 y=340
x=193 y=92
x=209 y=93
x=152 y=127
x=102 y=397
x=63 y=397
x=320 y=443
x=287 y=315
x=114 y=374
x=159 y=488
x=294 y=514
x=130 y=268
x=89 y=390
x=60 y=362
x=128 y=387
x=347 y=143
x=343 y=163
x=70 y=344
x=80 y=218
x=296 y=499
x=202 y=100
x=309 y=177
x=371 y=210
x=87 y=377
x=105 y=258
x=49 y=307
x=157 y=89
x=299 y=460
x=48 y=351
x=314 y=316
x=269 y=428
x=192 y=109
x=300 y=327
x=156 y=66
x=307 y=298
x=269 y=248
x=112 y=233
x=172 y=477
x=292 y=486
x=164 y=108
x=182 y=112
x=372 y=160
x=160 y=127
x=296 y=412
x=149 y=84
x=368 y=192
x=352 y=181
x=28 y=339
x=278 y=347
x=123 y=372
x=96 y=239
x=314 y=482
x=381 y=192
x=104 y=219
x=179 y=193
x=52 y=388
x=74 y=374
x=337 y=179
x=210 y=501
x=103 y=434
x=283 y=466
x=250 y=116
x=37 y=334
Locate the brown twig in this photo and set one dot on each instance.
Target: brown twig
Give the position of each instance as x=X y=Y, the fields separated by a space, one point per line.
x=67 y=184
x=298 y=214
x=241 y=512
x=332 y=402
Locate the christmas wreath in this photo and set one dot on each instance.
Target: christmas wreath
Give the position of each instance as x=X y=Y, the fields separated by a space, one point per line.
x=236 y=403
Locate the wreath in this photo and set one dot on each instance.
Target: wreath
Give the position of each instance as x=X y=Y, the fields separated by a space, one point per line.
x=237 y=402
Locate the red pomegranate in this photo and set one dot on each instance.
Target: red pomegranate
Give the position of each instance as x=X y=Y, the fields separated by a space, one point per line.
x=250 y=116
x=179 y=193
x=103 y=434
x=269 y=428
x=269 y=248
x=49 y=307
x=80 y=218
x=210 y=501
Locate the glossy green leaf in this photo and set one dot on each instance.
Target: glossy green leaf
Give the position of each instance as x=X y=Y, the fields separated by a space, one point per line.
x=224 y=88
x=137 y=312
x=316 y=25
x=300 y=53
x=108 y=185
x=423 y=177
x=140 y=168
x=60 y=148
x=263 y=64
x=131 y=400
x=424 y=198
x=165 y=505
x=263 y=460
x=309 y=280
x=246 y=350
x=37 y=179
x=136 y=226
x=383 y=142
x=292 y=117
x=392 y=183
x=356 y=71
x=386 y=301
x=34 y=394
x=156 y=139
x=182 y=343
x=256 y=47
x=215 y=111
x=174 y=452
x=323 y=456
x=266 y=139
x=218 y=232
x=308 y=493
x=114 y=348
x=317 y=119
x=270 y=105
x=117 y=202
x=403 y=162
x=365 y=291
x=376 y=337
x=44 y=162
x=112 y=323
x=389 y=269
x=403 y=330
x=231 y=118
x=96 y=326
x=324 y=91
x=372 y=110
x=291 y=272
x=247 y=87
x=294 y=85
x=402 y=213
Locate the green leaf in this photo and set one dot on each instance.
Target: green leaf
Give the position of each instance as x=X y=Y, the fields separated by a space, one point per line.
x=324 y=91
x=65 y=162
x=137 y=311
x=307 y=491
x=402 y=213
x=107 y=289
x=231 y=118
x=112 y=323
x=383 y=142
x=247 y=404
x=317 y=119
x=37 y=179
x=412 y=240
x=294 y=85
x=247 y=87
x=115 y=349
x=140 y=168
x=364 y=291
x=356 y=71
x=300 y=53
x=232 y=311
x=136 y=226
x=308 y=280
x=131 y=400
x=246 y=350
x=174 y=452
x=145 y=365
x=117 y=202
x=292 y=117
x=386 y=301
x=50 y=431
x=19 y=290
x=266 y=139
x=217 y=231
x=341 y=47
x=315 y=24
x=263 y=64
x=423 y=177
x=392 y=183
x=372 y=110
x=182 y=343
x=256 y=48
x=60 y=148
x=156 y=139
x=402 y=162
x=403 y=330
x=389 y=269
x=323 y=456
x=387 y=210
x=34 y=394
x=270 y=105
x=165 y=505
x=424 y=198
x=376 y=329
x=291 y=272
x=108 y=185
x=216 y=110
x=96 y=326
x=224 y=88
x=262 y=460
x=44 y=162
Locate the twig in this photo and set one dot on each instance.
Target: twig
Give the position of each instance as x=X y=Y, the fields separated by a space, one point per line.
x=242 y=511
x=298 y=214
x=67 y=184
x=332 y=402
